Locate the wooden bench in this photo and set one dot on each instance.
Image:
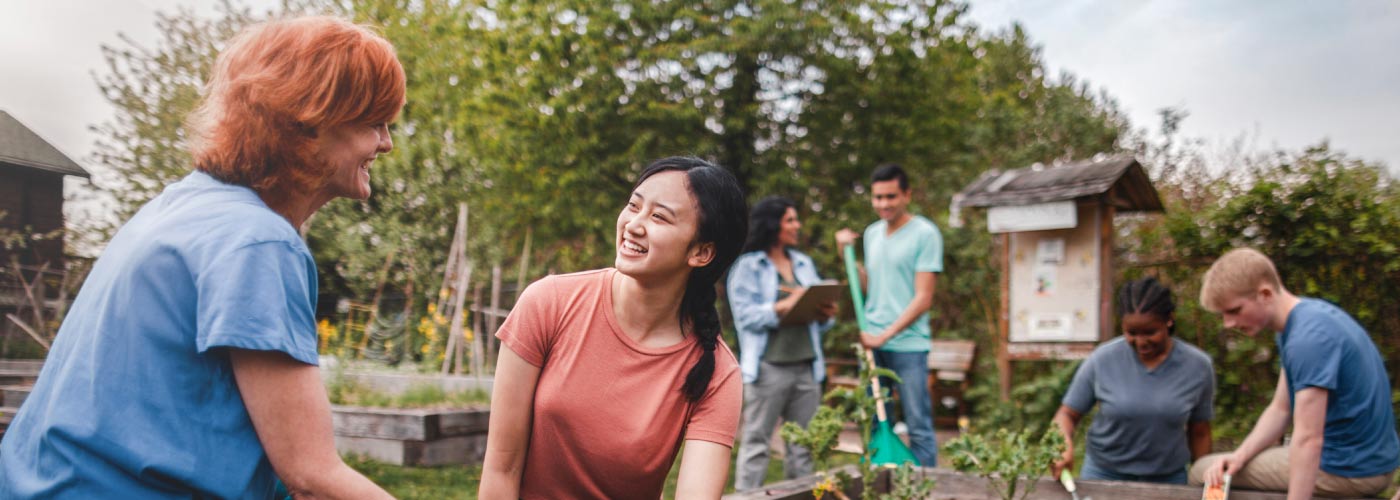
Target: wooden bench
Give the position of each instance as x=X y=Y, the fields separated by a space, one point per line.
x=950 y=366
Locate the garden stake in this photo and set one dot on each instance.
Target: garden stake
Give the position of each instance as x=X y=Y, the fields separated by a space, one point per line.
x=885 y=447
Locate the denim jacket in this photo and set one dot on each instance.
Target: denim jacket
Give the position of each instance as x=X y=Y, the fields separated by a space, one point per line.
x=753 y=288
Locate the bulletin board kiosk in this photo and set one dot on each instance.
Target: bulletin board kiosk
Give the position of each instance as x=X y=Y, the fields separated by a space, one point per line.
x=1056 y=245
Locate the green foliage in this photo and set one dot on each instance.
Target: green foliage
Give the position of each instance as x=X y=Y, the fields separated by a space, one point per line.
x=1010 y=461
x=822 y=432
x=1033 y=401
x=1327 y=221
x=152 y=90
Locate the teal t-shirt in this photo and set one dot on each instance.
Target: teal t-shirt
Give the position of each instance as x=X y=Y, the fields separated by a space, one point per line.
x=890 y=263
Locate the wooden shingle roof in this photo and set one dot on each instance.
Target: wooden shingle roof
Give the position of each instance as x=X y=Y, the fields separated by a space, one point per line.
x=21 y=147
x=1120 y=180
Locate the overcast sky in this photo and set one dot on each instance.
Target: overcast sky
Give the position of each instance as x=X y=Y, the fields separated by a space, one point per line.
x=1288 y=72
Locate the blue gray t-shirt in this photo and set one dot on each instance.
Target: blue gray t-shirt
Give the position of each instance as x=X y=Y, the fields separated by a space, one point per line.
x=137 y=398
x=1322 y=346
x=1141 y=427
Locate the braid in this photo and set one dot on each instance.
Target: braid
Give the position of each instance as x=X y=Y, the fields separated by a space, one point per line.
x=1147 y=296
x=698 y=309
x=723 y=215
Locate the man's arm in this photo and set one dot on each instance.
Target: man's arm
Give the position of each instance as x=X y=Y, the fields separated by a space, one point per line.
x=508 y=435
x=704 y=470
x=292 y=416
x=1305 y=449
x=923 y=299
x=1267 y=431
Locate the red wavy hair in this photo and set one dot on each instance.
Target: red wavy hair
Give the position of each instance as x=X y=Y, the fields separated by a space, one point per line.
x=278 y=84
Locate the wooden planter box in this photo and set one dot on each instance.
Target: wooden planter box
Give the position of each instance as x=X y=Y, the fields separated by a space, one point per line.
x=414 y=437
x=951 y=485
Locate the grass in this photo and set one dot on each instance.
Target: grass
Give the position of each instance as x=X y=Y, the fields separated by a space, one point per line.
x=350 y=393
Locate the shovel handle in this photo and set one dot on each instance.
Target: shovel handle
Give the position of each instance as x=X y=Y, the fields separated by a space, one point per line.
x=875 y=384
x=853 y=279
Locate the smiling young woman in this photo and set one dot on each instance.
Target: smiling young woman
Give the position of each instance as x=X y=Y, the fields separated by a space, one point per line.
x=606 y=373
x=1155 y=394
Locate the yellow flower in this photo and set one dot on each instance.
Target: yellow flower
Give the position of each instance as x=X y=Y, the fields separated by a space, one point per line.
x=325 y=332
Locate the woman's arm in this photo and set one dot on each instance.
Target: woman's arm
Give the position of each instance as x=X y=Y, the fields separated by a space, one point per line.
x=752 y=310
x=1065 y=419
x=508 y=437
x=292 y=415
x=704 y=470
x=1198 y=434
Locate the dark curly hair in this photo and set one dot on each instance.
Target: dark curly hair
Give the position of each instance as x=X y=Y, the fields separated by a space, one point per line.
x=766 y=221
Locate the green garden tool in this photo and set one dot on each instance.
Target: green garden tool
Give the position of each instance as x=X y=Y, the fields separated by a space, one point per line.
x=1068 y=481
x=885 y=447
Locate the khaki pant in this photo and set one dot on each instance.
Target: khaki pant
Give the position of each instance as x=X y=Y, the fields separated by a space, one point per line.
x=1269 y=472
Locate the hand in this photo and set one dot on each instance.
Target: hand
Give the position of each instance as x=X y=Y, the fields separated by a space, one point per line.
x=1228 y=465
x=782 y=307
x=827 y=311
x=1066 y=462
x=846 y=237
x=872 y=340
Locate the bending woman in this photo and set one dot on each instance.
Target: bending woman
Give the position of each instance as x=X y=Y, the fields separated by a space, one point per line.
x=187 y=365
x=782 y=366
x=606 y=373
x=1155 y=393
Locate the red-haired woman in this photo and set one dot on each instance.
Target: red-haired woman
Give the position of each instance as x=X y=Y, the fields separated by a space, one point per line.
x=187 y=364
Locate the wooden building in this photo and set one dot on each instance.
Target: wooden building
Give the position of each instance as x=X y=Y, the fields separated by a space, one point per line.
x=31 y=192
x=1055 y=228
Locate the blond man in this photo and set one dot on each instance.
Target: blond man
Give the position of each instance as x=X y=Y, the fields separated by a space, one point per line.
x=1333 y=390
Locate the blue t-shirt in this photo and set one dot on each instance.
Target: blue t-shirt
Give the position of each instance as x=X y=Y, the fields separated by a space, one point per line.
x=1141 y=427
x=1322 y=346
x=137 y=398
x=890 y=263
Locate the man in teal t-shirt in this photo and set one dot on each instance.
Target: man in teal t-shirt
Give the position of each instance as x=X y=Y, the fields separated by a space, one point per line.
x=902 y=253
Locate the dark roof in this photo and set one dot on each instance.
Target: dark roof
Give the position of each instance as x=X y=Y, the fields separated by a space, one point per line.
x=1121 y=179
x=22 y=147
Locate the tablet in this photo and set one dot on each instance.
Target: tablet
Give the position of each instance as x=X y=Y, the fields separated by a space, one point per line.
x=807 y=307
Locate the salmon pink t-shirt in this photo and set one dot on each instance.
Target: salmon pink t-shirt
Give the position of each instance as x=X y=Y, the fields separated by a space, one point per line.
x=609 y=416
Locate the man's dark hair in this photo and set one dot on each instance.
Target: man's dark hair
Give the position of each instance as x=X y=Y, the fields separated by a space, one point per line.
x=891 y=171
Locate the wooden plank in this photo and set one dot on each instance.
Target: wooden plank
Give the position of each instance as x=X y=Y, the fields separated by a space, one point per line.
x=384 y=423
x=14 y=395
x=951 y=355
x=1106 y=323
x=1004 y=320
x=1044 y=351
x=952 y=485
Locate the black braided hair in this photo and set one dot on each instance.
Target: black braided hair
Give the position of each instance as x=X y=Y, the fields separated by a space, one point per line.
x=1147 y=296
x=723 y=222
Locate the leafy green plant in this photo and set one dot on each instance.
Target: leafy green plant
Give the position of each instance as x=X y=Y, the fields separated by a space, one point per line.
x=822 y=433
x=1008 y=460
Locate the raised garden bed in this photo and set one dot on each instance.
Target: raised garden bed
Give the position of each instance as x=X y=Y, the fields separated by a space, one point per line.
x=414 y=437
x=952 y=485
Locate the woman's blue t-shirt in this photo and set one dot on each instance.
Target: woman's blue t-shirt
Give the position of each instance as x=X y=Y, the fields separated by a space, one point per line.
x=137 y=398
